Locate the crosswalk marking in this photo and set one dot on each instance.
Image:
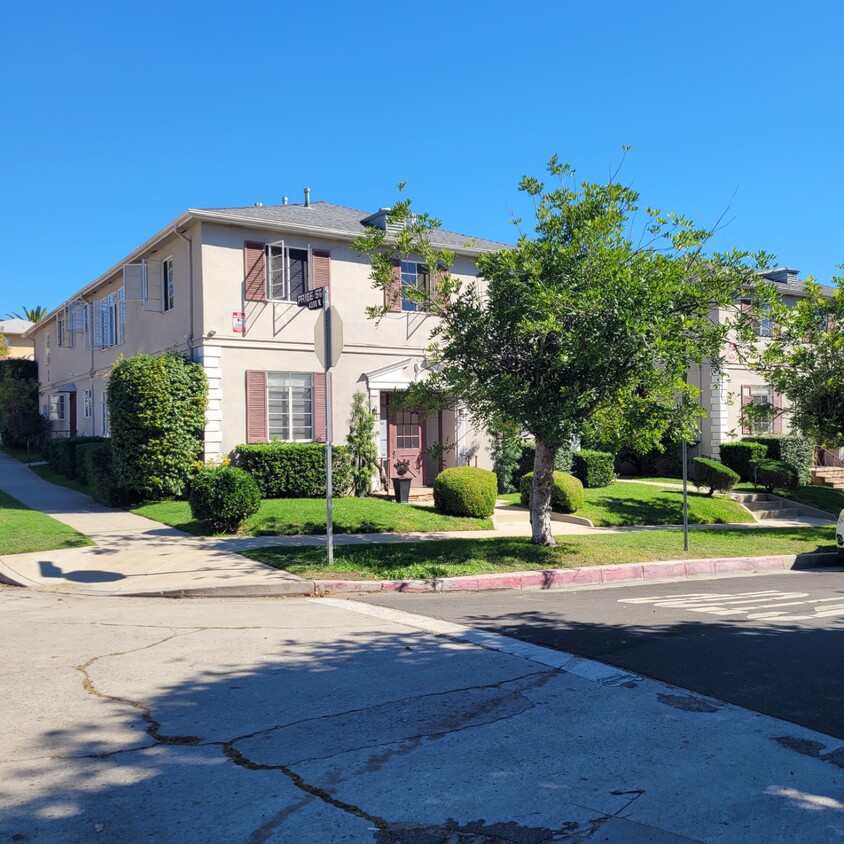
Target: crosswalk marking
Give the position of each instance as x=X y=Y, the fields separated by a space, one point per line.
x=765 y=605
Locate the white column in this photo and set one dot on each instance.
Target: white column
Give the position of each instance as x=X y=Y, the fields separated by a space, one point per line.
x=210 y=358
x=717 y=415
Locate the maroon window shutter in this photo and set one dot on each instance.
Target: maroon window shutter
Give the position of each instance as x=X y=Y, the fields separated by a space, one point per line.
x=321 y=268
x=254 y=271
x=256 y=406
x=392 y=294
x=776 y=399
x=745 y=400
x=319 y=406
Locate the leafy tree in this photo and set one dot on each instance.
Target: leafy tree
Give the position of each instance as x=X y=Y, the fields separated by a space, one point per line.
x=35 y=314
x=360 y=440
x=575 y=320
x=804 y=359
x=20 y=417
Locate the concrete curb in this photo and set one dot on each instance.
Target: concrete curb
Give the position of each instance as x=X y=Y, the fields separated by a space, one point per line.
x=589 y=575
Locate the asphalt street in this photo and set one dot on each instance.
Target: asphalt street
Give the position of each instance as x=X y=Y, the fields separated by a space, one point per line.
x=772 y=643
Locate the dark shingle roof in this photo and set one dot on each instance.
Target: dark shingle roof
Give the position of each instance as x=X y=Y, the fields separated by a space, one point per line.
x=337 y=218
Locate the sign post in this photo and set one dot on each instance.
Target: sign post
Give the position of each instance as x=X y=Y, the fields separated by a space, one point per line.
x=328 y=343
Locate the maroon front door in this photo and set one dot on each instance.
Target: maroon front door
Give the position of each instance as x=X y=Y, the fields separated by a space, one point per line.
x=406 y=441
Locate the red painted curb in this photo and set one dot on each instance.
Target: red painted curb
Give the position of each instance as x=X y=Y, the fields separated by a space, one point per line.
x=585 y=575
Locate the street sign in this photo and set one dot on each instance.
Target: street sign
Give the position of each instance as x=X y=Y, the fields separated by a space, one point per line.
x=335 y=338
x=312 y=299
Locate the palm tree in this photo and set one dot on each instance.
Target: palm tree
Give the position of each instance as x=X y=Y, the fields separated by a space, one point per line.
x=35 y=314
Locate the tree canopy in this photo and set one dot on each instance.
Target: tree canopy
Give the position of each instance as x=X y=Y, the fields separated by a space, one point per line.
x=35 y=314
x=584 y=318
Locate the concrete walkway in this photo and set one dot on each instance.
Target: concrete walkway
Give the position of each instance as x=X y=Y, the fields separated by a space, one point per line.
x=136 y=556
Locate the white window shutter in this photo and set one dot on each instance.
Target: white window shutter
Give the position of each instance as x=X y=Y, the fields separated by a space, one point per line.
x=133 y=282
x=154 y=300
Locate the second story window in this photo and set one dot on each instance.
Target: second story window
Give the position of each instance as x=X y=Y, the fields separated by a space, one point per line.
x=110 y=320
x=167 y=283
x=47 y=354
x=87 y=403
x=415 y=275
x=287 y=272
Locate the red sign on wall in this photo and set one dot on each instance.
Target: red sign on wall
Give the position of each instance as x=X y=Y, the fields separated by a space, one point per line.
x=238 y=322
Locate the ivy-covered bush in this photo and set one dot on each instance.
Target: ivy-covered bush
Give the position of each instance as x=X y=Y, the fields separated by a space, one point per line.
x=223 y=497
x=715 y=475
x=465 y=491
x=593 y=468
x=562 y=463
x=360 y=441
x=157 y=409
x=566 y=492
x=97 y=466
x=776 y=474
x=294 y=470
x=739 y=457
x=506 y=449
x=790 y=448
x=20 y=416
x=60 y=454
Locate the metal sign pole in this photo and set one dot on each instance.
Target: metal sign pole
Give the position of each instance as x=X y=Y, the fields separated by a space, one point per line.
x=329 y=516
x=685 y=498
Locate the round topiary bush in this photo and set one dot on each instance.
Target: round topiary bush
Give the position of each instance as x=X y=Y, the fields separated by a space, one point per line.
x=715 y=475
x=776 y=474
x=465 y=491
x=566 y=492
x=223 y=497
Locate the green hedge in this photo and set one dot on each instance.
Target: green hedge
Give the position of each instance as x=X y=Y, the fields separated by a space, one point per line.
x=20 y=415
x=739 y=456
x=61 y=455
x=98 y=467
x=776 y=474
x=294 y=470
x=562 y=463
x=593 y=468
x=715 y=475
x=790 y=448
x=157 y=408
x=18 y=368
x=566 y=492
x=465 y=491
x=223 y=497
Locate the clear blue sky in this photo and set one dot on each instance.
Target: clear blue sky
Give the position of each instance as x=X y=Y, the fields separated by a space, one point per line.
x=120 y=116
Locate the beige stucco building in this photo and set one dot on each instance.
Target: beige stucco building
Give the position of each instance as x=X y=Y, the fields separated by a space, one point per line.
x=220 y=286
x=18 y=346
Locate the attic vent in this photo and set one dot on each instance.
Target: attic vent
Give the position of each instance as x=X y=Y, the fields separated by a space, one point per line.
x=380 y=220
x=782 y=275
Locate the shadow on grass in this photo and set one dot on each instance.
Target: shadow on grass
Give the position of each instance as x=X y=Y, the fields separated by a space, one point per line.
x=664 y=508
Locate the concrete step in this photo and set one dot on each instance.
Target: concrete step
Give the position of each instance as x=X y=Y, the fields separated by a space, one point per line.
x=745 y=497
x=784 y=513
x=769 y=504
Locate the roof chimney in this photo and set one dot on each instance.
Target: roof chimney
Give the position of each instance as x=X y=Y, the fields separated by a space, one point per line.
x=259 y=204
x=284 y=200
x=307 y=197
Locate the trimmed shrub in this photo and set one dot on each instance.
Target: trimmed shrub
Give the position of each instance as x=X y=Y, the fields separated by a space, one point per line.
x=566 y=492
x=157 y=408
x=715 y=475
x=776 y=474
x=19 y=369
x=60 y=454
x=790 y=448
x=360 y=441
x=506 y=450
x=98 y=468
x=465 y=491
x=739 y=457
x=20 y=416
x=562 y=463
x=294 y=470
x=223 y=497
x=593 y=468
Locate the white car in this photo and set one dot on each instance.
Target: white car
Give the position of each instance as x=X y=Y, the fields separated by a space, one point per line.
x=839 y=533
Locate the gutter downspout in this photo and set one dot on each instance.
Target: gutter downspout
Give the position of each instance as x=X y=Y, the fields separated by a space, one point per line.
x=189 y=242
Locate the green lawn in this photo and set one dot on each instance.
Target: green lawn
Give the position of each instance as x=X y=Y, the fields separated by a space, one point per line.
x=623 y=504
x=831 y=500
x=297 y=516
x=23 y=530
x=48 y=474
x=453 y=557
x=20 y=454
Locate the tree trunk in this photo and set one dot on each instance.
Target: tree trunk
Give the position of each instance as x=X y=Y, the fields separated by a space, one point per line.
x=540 y=494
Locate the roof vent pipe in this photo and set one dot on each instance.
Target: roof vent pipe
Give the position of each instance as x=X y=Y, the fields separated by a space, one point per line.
x=284 y=200
x=307 y=197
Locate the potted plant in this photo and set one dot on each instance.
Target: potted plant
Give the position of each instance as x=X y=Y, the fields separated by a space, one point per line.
x=401 y=484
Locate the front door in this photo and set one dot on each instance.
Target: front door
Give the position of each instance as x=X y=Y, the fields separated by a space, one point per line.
x=406 y=441
x=71 y=412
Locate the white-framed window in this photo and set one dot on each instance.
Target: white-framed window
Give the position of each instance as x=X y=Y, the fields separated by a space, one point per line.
x=58 y=407
x=416 y=275
x=47 y=350
x=110 y=320
x=762 y=395
x=106 y=418
x=60 y=332
x=290 y=406
x=762 y=325
x=167 y=283
x=287 y=272
x=87 y=403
